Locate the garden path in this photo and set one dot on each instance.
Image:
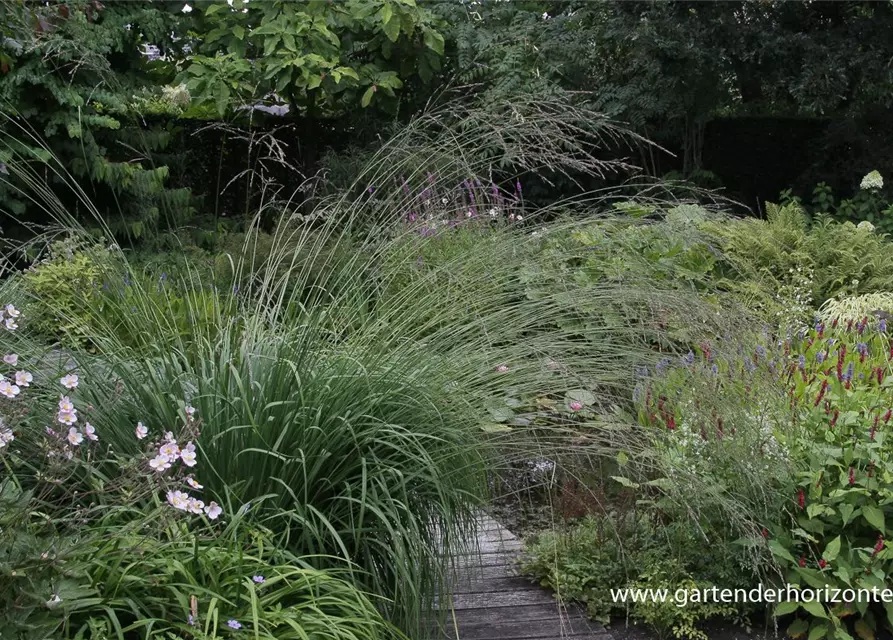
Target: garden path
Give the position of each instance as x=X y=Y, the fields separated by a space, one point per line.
x=491 y=602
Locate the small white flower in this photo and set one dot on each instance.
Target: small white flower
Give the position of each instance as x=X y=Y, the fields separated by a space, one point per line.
x=493 y=213
x=23 y=378
x=178 y=500
x=67 y=417
x=160 y=463
x=6 y=436
x=74 y=436
x=444 y=201
x=190 y=412
x=70 y=381
x=169 y=450
x=469 y=214
x=8 y=389
x=187 y=8
x=518 y=218
x=188 y=458
x=195 y=506
x=11 y=359
x=10 y=324
x=141 y=431
x=90 y=432
x=213 y=510
x=65 y=404
x=12 y=312
x=192 y=482
x=169 y=436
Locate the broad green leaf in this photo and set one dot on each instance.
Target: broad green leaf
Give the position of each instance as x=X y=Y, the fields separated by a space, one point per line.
x=626 y=482
x=815 y=609
x=495 y=427
x=434 y=41
x=239 y=31
x=392 y=30
x=784 y=608
x=780 y=551
x=818 y=630
x=846 y=511
x=832 y=550
x=875 y=517
x=367 y=97
x=386 y=13
x=798 y=628
x=581 y=395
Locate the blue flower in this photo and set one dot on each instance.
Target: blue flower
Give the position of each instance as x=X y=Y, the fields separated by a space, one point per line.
x=714 y=369
x=848 y=375
x=234 y=624
x=761 y=350
x=258 y=579
x=802 y=361
x=689 y=357
x=882 y=325
x=820 y=357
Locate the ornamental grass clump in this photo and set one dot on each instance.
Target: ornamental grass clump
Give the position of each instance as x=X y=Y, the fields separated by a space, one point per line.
x=119 y=538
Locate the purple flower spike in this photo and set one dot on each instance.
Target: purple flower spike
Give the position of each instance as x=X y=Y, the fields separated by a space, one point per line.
x=802 y=361
x=882 y=325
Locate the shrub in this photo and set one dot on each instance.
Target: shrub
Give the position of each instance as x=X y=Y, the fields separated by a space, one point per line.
x=62 y=287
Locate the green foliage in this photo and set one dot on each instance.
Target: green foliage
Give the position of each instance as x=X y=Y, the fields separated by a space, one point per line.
x=321 y=57
x=870 y=207
x=599 y=555
x=70 y=73
x=839 y=516
x=788 y=266
x=62 y=288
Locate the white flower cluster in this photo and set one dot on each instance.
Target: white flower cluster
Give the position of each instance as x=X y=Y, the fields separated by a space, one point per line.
x=873 y=180
x=8 y=315
x=865 y=225
x=168 y=453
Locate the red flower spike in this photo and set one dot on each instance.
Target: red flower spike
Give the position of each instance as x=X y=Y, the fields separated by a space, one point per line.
x=801 y=499
x=852 y=476
x=835 y=417
x=765 y=533
x=802 y=562
x=887 y=415
x=822 y=563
